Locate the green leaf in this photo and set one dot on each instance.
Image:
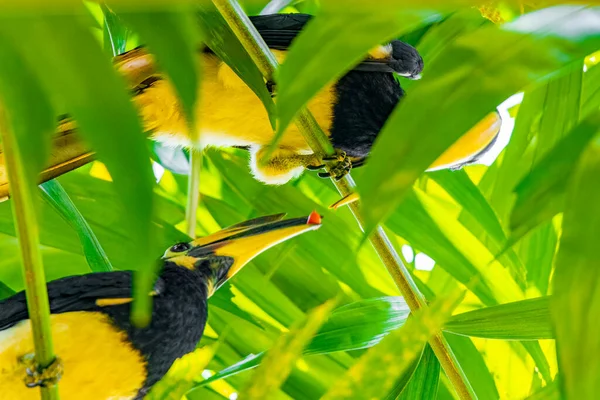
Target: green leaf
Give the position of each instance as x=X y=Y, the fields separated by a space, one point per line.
x=474 y=366
x=377 y=370
x=576 y=300
x=517 y=158
x=115 y=33
x=520 y=320
x=354 y=326
x=70 y=62
x=466 y=76
x=323 y=53
x=548 y=392
x=5 y=291
x=28 y=109
x=540 y=195
x=180 y=377
x=279 y=360
x=174 y=38
x=56 y=196
x=365 y=323
x=458 y=185
x=424 y=383
x=539 y=357
x=413 y=222
x=403 y=380
x=359 y=325
x=221 y=39
x=590 y=92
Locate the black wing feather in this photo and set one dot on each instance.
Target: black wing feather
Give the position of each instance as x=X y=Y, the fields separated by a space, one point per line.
x=73 y=293
x=279 y=30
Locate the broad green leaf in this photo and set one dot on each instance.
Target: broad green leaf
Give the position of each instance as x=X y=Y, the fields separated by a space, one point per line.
x=576 y=300
x=521 y=320
x=180 y=377
x=26 y=108
x=376 y=371
x=540 y=195
x=365 y=323
x=56 y=196
x=70 y=62
x=322 y=53
x=359 y=325
x=467 y=75
x=354 y=326
x=221 y=39
x=441 y=34
x=279 y=360
x=424 y=383
x=174 y=38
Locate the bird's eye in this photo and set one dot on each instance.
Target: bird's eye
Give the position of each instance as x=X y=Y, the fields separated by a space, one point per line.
x=179 y=247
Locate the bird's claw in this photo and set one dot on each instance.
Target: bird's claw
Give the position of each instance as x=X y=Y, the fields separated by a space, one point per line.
x=338 y=165
x=44 y=377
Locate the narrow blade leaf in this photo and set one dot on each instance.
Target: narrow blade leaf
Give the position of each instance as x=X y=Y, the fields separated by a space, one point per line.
x=576 y=301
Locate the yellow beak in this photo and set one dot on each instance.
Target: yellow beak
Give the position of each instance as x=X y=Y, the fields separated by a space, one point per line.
x=246 y=240
x=465 y=149
x=472 y=143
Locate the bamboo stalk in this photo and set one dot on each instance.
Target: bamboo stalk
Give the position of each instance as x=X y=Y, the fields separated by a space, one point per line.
x=193 y=197
x=239 y=22
x=33 y=269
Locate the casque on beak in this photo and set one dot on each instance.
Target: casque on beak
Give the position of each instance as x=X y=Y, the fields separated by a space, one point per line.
x=244 y=241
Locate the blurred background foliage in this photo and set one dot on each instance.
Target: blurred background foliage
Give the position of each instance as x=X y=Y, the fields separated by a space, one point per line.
x=492 y=230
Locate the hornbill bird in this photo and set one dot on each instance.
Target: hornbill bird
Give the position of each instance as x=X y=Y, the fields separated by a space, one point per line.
x=351 y=111
x=100 y=353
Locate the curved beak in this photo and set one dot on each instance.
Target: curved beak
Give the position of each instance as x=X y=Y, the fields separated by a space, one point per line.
x=244 y=241
x=471 y=145
x=468 y=148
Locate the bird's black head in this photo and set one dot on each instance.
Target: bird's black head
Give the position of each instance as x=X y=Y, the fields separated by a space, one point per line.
x=406 y=60
x=367 y=95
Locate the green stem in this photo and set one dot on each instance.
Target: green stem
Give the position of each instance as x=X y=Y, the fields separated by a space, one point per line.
x=193 y=197
x=23 y=196
x=239 y=22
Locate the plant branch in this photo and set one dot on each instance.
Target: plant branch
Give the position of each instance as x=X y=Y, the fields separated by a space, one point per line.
x=239 y=22
x=33 y=271
x=193 y=197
